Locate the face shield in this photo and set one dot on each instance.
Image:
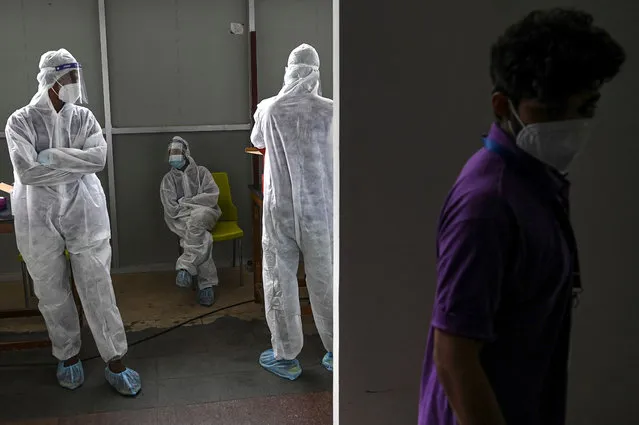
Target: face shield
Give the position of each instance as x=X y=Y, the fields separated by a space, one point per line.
x=60 y=72
x=177 y=154
x=69 y=85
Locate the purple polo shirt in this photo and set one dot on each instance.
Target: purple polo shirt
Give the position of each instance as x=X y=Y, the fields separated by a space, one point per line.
x=504 y=266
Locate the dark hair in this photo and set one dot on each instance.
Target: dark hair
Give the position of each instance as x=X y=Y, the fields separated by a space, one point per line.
x=552 y=54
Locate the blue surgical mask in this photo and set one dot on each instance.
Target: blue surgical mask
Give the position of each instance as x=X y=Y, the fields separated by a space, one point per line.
x=177 y=161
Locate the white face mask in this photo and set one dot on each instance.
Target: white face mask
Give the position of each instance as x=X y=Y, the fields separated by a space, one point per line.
x=555 y=143
x=70 y=93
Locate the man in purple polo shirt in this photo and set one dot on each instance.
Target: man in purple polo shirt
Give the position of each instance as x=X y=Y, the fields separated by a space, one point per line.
x=507 y=260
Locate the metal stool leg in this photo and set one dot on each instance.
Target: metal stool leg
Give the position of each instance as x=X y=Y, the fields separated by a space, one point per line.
x=239 y=243
x=234 y=252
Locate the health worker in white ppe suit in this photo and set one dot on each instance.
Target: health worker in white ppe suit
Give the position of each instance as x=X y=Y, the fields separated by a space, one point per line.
x=189 y=196
x=56 y=147
x=294 y=128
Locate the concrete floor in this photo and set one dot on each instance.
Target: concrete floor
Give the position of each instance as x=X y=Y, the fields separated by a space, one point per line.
x=205 y=373
x=148 y=300
x=302 y=409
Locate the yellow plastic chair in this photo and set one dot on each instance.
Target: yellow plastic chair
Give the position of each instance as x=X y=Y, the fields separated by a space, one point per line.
x=227 y=228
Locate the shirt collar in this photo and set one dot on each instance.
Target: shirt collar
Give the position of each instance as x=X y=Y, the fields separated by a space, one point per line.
x=559 y=182
x=499 y=136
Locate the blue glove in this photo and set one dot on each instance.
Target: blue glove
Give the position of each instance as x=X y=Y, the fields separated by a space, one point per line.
x=44 y=157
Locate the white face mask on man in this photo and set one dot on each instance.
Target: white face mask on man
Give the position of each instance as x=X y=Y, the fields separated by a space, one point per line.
x=555 y=143
x=70 y=93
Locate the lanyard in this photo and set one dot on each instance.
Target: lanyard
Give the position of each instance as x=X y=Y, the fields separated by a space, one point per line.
x=543 y=190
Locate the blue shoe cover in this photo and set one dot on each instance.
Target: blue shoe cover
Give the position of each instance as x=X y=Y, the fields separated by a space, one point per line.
x=70 y=377
x=327 y=361
x=184 y=279
x=205 y=297
x=127 y=383
x=287 y=369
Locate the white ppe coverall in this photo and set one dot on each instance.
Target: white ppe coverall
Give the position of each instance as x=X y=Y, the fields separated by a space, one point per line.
x=58 y=202
x=294 y=127
x=191 y=211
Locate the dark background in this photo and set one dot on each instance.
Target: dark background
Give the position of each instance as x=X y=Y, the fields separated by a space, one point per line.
x=414 y=100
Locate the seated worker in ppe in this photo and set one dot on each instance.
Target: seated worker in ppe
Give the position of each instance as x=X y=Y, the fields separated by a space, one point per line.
x=189 y=196
x=295 y=129
x=56 y=147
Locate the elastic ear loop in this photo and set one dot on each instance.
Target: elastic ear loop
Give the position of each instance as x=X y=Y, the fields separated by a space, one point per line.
x=514 y=112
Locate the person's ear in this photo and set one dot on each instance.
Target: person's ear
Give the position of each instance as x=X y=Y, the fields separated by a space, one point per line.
x=501 y=105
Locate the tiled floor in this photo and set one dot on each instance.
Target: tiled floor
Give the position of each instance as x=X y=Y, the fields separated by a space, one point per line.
x=206 y=374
